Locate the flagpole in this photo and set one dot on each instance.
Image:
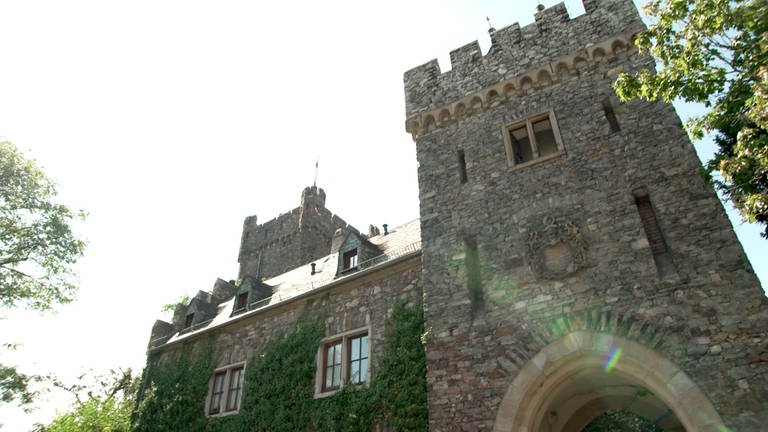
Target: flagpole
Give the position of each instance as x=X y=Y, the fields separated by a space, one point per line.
x=317 y=162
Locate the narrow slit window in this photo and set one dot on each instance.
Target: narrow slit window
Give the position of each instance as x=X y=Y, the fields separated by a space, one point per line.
x=650 y=224
x=474 y=278
x=662 y=258
x=610 y=115
x=462 y=167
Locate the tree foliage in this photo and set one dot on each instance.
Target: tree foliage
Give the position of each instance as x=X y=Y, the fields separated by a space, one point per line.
x=172 y=393
x=104 y=405
x=37 y=249
x=621 y=421
x=37 y=245
x=401 y=383
x=278 y=391
x=15 y=385
x=715 y=52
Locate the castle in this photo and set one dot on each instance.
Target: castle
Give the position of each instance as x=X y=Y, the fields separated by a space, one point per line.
x=568 y=258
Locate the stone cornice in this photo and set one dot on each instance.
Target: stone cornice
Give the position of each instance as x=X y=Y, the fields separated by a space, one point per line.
x=561 y=69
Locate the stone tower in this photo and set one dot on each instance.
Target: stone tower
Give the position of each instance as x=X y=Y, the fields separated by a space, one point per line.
x=574 y=261
x=291 y=239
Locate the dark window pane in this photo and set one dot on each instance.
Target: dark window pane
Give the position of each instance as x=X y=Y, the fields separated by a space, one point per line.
x=521 y=145
x=462 y=167
x=350 y=259
x=242 y=301
x=218 y=392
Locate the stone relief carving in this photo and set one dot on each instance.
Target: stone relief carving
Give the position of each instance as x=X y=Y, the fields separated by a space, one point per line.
x=556 y=248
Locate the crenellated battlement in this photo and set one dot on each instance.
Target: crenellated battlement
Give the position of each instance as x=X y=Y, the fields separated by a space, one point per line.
x=289 y=240
x=520 y=58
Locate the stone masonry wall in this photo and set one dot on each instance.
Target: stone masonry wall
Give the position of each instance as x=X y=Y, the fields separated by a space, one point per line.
x=360 y=302
x=290 y=240
x=697 y=304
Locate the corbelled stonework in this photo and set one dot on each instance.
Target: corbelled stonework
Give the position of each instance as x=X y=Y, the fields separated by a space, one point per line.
x=568 y=256
x=575 y=264
x=289 y=240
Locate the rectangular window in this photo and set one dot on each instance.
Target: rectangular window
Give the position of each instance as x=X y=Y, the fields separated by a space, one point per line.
x=534 y=138
x=226 y=391
x=343 y=360
x=350 y=259
x=242 y=301
x=358 y=359
x=332 y=368
x=189 y=320
x=217 y=392
x=235 y=388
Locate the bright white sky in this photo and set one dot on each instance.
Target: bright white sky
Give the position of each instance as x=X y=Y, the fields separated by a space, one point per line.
x=170 y=121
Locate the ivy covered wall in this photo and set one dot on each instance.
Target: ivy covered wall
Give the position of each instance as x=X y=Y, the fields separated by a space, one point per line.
x=278 y=392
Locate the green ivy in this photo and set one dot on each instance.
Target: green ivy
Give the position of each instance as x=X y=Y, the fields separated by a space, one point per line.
x=400 y=385
x=173 y=392
x=279 y=386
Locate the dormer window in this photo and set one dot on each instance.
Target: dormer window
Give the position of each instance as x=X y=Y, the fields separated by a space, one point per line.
x=349 y=260
x=188 y=320
x=241 y=303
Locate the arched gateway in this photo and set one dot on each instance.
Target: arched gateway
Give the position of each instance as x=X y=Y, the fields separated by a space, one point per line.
x=575 y=379
x=561 y=228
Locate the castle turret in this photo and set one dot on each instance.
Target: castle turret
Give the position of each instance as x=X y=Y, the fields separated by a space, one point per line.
x=290 y=240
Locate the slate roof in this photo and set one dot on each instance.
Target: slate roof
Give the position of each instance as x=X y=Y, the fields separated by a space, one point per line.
x=401 y=241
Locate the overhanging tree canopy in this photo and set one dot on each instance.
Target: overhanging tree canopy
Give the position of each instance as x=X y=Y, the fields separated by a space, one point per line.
x=37 y=246
x=715 y=52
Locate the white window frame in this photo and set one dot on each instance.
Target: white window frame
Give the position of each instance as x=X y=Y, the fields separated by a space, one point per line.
x=345 y=337
x=224 y=402
x=528 y=122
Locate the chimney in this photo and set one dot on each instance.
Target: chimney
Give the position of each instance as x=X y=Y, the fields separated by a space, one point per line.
x=385 y=229
x=313 y=268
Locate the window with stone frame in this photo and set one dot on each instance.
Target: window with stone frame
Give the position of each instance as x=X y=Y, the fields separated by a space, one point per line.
x=343 y=360
x=532 y=139
x=226 y=390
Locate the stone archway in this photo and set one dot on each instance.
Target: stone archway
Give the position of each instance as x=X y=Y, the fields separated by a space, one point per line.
x=575 y=379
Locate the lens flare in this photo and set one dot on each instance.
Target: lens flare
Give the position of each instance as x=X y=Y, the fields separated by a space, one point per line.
x=611 y=359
